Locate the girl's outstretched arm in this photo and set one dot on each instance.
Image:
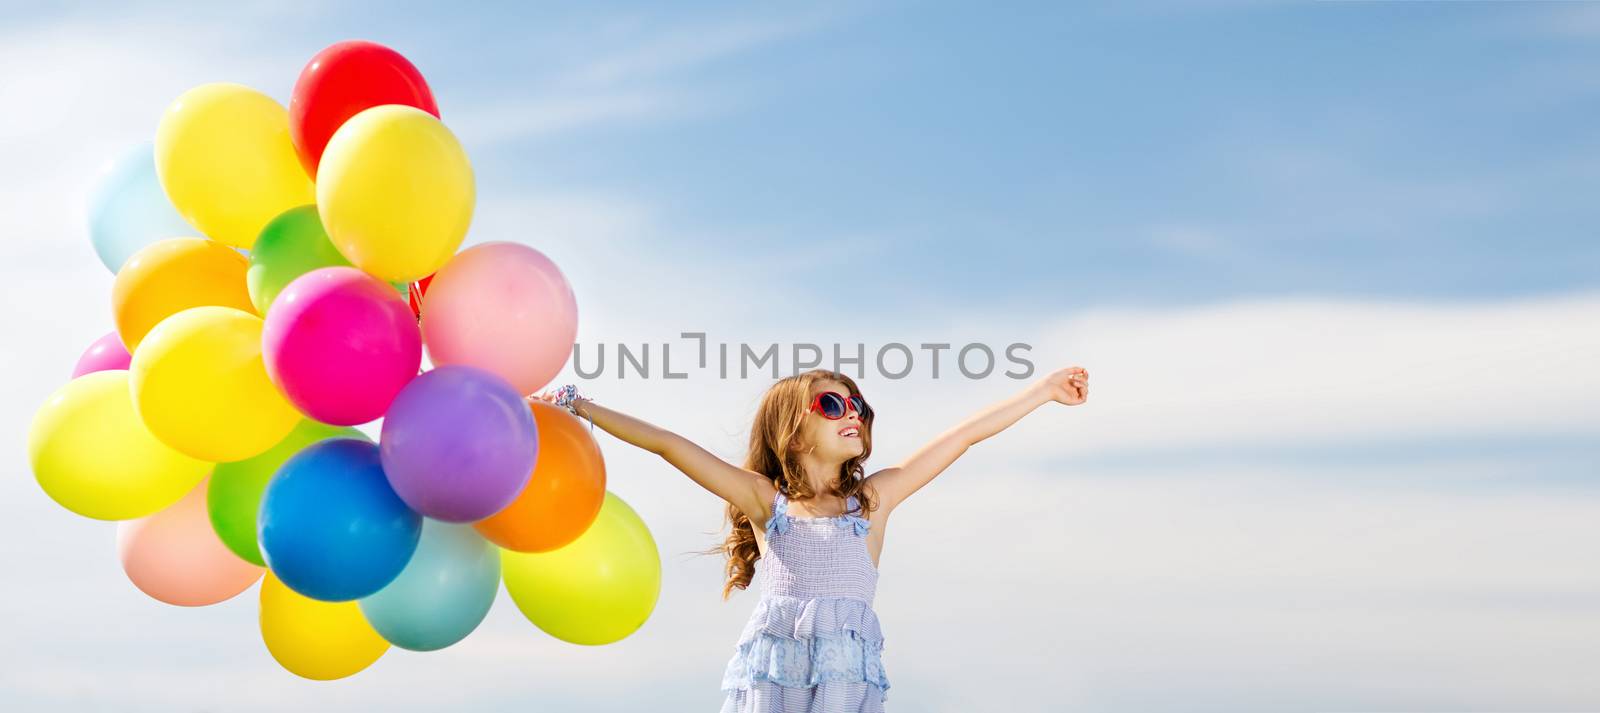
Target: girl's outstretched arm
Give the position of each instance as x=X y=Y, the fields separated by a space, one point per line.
x=742 y=488
x=1069 y=386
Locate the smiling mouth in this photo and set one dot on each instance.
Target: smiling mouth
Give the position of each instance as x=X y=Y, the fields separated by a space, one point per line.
x=850 y=432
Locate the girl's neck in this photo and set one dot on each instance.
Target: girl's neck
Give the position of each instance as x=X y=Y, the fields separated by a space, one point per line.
x=820 y=475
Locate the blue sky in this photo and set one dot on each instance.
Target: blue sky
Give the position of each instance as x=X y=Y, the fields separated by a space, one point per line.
x=1331 y=265
x=1180 y=150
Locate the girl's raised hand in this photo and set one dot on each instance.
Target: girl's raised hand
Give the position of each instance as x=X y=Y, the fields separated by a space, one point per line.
x=1069 y=386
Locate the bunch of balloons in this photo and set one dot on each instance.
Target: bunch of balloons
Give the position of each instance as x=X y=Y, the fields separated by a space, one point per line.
x=278 y=275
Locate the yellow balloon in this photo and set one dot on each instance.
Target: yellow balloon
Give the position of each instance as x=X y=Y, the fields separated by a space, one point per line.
x=201 y=386
x=93 y=455
x=395 y=192
x=169 y=276
x=318 y=640
x=224 y=156
x=596 y=590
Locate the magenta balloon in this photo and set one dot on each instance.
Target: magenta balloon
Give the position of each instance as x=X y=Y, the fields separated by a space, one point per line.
x=341 y=344
x=106 y=354
x=458 y=444
x=505 y=308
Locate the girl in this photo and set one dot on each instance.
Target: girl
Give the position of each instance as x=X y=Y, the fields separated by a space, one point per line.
x=801 y=503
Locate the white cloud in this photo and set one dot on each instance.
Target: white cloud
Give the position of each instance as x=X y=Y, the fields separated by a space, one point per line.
x=1070 y=588
x=89 y=92
x=1200 y=587
x=1236 y=374
x=1309 y=370
x=1337 y=580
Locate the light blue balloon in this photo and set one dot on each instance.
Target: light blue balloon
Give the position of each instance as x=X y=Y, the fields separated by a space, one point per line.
x=443 y=594
x=128 y=209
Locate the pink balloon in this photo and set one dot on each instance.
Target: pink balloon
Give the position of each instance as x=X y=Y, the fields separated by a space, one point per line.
x=502 y=307
x=174 y=555
x=106 y=354
x=340 y=344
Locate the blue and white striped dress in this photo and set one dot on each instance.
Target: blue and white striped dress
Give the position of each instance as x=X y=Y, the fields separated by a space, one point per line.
x=813 y=644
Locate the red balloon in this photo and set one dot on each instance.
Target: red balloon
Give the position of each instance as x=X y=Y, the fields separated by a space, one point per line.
x=342 y=81
x=418 y=289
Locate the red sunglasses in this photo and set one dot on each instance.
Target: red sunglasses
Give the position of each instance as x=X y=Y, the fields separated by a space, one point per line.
x=834 y=405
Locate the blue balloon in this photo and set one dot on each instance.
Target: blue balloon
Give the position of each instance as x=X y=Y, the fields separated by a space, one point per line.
x=443 y=595
x=128 y=209
x=331 y=527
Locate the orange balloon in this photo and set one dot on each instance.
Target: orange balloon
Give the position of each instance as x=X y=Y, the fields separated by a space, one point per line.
x=172 y=275
x=564 y=494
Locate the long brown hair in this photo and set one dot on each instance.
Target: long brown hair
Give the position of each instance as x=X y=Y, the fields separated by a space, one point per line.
x=774 y=452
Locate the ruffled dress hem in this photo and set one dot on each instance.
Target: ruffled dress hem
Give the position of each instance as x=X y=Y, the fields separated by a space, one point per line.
x=798 y=643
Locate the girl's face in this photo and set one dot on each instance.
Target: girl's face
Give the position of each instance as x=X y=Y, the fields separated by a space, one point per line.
x=835 y=440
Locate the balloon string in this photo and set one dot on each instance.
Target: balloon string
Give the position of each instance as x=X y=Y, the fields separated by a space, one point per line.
x=568 y=395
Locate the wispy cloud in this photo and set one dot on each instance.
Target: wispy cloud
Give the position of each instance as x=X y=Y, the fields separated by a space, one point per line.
x=630 y=72
x=562 y=113
x=663 y=50
x=1571 y=21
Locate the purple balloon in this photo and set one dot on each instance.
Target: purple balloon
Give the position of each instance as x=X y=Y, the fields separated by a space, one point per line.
x=106 y=354
x=458 y=444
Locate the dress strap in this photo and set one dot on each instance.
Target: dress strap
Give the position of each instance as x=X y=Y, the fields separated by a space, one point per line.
x=852 y=521
x=778 y=523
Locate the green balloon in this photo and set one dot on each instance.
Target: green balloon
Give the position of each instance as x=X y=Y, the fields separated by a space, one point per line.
x=596 y=590
x=292 y=245
x=234 y=495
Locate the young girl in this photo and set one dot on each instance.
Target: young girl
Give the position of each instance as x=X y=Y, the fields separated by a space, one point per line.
x=800 y=502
